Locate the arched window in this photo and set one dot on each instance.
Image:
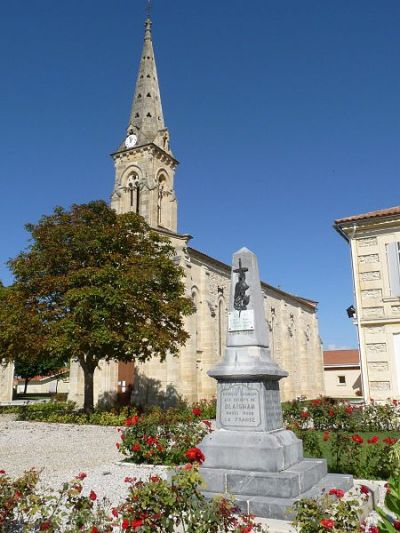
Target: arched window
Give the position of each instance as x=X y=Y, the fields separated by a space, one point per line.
x=133 y=189
x=161 y=194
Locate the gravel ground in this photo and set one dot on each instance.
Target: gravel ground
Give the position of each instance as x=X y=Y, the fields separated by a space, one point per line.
x=61 y=451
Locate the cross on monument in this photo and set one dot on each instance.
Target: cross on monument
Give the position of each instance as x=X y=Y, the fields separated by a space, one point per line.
x=241 y=270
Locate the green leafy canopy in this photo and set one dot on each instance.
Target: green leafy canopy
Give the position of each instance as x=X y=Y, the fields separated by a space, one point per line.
x=101 y=286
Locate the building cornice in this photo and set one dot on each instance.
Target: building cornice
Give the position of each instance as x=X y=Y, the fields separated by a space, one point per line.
x=153 y=148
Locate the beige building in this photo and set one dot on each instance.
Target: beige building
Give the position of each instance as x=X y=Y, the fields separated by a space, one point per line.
x=342 y=373
x=144 y=183
x=55 y=384
x=374 y=240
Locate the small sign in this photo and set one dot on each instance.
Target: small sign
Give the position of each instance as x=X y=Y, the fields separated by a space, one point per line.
x=241 y=320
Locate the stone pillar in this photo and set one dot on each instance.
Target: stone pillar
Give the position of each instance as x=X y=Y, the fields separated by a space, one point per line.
x=6 y=381
x=251 y=455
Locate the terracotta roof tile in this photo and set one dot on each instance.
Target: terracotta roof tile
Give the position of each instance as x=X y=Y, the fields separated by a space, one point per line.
x=372 y=214
x=341 y=357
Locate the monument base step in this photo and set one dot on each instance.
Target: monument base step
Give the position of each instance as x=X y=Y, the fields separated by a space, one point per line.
x=282 y=508
x=286 y=484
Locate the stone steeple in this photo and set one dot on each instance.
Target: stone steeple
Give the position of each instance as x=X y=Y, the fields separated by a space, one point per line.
x=144 y=163
x=146 y=119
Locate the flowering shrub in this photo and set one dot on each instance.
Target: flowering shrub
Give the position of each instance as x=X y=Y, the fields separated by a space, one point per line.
x=66 y=412
x=332 y=512
x=161 y=506
x=153 y=506
x=162 y=437
x=371 y=458
x=24 y=509
x=327 y=414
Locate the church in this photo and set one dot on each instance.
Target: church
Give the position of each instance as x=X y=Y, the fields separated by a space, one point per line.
x=144 y=183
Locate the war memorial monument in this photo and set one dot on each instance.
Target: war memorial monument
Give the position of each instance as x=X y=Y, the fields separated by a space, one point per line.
x=251 y=455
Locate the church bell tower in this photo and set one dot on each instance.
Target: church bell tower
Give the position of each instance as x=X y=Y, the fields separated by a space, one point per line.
x=144 y=163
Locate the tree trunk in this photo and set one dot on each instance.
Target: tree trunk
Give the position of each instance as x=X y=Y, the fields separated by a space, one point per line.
x=26 y=385
x=88 y=375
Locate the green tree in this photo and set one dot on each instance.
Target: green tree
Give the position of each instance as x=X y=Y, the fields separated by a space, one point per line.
x=23 y=337
x=103 y=287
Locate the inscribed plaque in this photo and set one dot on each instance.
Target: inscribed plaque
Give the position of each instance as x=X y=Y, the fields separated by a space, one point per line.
x=240 y=405
x=241 y=320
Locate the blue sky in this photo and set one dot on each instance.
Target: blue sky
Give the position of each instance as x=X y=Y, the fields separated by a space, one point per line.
x=284 y=114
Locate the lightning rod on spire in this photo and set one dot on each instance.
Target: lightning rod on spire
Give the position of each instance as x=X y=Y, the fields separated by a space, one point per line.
x=148 y=10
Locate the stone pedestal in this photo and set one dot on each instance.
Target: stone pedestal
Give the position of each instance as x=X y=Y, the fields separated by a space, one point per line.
x=251 y=455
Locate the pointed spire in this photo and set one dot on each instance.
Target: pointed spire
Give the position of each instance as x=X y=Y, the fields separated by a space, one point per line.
x=147 y=118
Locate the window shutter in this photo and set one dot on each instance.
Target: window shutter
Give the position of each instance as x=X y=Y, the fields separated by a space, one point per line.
x=392 y=253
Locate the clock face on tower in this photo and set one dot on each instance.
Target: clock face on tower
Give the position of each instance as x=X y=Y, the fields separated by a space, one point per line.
x=131 y=140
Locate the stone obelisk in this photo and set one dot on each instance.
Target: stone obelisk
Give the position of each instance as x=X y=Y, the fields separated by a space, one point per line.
x=251 y=455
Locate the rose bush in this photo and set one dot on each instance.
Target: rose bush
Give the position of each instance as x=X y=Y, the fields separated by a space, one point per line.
x=332 y=512
x=328 y=414
x=371 y=458
x=155 y=505
x=162 y=437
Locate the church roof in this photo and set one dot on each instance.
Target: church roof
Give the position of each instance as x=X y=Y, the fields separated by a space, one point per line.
x=227 y=268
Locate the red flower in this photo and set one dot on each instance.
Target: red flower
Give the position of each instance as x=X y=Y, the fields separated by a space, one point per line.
x=136 y=447
x=373 y=529
x=92 y=496
x=389 y=441
x=44 y=526
x=331 y=412
x=339 y=493
x=81 y=476
x=196 y=411
x=155 y=479
x=117 y=445
x=395 y=402
x=207 y=423
x=364 y=489
x=136 y=523
x=304 y=414
x=325 y=436
x=357 y=439
x=349 y=409
x=188 y=466
x=150 y=440
x=2 y=472
x=396 y=525
x=114 y=512
x=327 y=523
x=125 y=523
x=194 y=454
x=94 y=530
x=316 y=402
x=246 y=529
x=129 y=479
x=132 y=421
x=373 y=440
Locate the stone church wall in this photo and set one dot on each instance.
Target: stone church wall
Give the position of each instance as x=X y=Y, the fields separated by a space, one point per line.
x=6 y=382
x=293 y=328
